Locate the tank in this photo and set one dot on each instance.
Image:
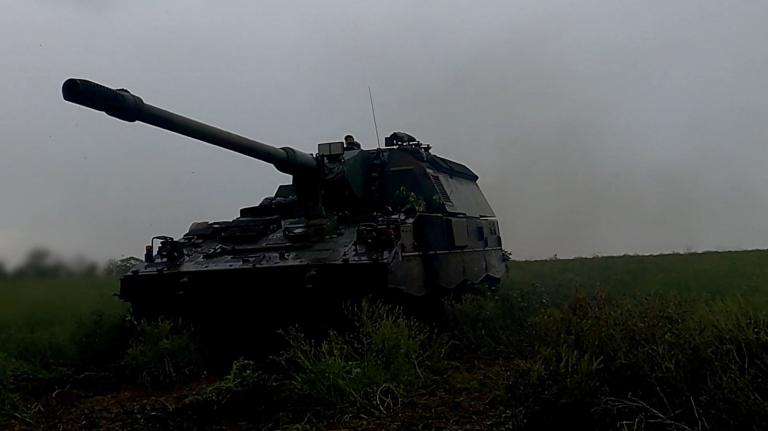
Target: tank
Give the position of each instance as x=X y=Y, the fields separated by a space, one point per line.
x=398 y=221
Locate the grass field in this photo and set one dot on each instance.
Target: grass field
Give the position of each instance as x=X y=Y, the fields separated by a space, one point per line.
x=710 y=274
x=631 y=343
x=41 y=320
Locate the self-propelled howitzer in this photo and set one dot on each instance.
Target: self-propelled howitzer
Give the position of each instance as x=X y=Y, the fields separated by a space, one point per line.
x=353 y=222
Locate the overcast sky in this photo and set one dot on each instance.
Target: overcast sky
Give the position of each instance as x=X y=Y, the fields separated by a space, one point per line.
x=596 y=127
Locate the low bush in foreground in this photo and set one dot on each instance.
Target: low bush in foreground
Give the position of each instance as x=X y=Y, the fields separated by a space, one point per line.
x=383 y=358
x=246 y=390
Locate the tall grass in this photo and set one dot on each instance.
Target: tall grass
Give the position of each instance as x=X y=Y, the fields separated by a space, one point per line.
x=604 y=355
x=381 y=359
x=628 y=343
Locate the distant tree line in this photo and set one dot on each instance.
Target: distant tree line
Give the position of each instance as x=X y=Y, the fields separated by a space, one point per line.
x=43 y=263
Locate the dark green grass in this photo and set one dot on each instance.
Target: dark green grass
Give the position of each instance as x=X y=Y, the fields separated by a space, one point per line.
x=709 y=274
x=51 y=329
x=42 y=320
x=675 y=341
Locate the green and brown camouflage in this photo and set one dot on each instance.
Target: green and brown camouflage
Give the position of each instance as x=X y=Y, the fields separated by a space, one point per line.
x=352 y=222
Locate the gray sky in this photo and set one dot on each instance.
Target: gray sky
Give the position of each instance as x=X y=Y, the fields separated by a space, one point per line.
x=596 y=127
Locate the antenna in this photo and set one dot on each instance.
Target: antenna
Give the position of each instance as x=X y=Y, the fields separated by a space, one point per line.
x=373 y=111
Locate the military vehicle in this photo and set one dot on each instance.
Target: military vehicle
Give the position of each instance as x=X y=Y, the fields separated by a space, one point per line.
x=397 y=220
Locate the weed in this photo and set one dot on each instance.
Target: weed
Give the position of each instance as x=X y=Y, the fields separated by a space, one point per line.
x=384 y=357
x=162 y=354
x=245 y=391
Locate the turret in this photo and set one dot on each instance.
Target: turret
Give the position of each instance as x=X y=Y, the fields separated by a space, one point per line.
x=342 y=178
x=123 y=105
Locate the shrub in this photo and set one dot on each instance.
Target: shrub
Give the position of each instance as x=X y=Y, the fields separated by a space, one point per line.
x=384 y=357
x=246 y=390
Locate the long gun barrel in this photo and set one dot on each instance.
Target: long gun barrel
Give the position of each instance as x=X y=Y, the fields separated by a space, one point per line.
x=128 y=107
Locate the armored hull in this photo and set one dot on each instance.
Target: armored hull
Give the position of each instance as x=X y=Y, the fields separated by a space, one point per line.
x=224 y=266
x=389 y=221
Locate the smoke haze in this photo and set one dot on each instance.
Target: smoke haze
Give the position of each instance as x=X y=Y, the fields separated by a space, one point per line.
x=595 y=127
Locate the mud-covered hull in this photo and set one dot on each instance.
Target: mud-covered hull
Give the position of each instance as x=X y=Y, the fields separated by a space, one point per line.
x=264 y=299
x=270 y=294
